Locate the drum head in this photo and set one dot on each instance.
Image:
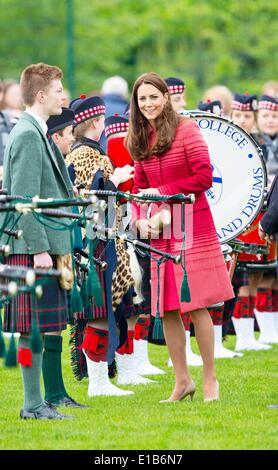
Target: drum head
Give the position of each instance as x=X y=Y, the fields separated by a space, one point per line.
x=239 y=175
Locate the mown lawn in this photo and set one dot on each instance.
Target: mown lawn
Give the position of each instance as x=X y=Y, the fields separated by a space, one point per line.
x=241 y=420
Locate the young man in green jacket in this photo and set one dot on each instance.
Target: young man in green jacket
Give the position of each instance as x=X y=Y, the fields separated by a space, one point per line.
x=31 y=169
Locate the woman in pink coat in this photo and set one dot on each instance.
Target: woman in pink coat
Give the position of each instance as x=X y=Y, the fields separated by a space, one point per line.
x=171 y=157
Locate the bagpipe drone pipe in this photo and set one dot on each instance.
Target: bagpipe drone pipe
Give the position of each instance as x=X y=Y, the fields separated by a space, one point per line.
x=51 y=212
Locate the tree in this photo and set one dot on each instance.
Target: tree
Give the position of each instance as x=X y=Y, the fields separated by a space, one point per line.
x=233 y=42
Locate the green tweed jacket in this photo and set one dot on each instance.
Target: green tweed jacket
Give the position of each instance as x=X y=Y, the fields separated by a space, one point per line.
x=30 y=169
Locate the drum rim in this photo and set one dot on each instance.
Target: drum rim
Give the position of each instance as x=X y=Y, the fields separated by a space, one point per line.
x=197 y=113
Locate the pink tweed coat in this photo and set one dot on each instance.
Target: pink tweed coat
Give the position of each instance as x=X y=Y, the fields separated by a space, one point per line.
x=185 y=168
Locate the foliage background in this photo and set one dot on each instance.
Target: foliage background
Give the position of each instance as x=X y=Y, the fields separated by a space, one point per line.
x=234 y=42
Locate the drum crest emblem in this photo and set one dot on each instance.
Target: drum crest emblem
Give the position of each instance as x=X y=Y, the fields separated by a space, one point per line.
x=214 y=193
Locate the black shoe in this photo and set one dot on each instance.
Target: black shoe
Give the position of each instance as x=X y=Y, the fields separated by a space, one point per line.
x=68 y=402
x=47 y=412
x=112 y=370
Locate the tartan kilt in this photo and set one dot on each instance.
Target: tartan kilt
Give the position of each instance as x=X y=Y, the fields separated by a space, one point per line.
x=229 y=307
x=240 y=278
x=93 y=312
x=50 y=310
x=145 y=264
x=127 y=306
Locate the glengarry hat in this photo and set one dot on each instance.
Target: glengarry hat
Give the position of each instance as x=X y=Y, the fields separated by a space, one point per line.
x=175 y=85
x=87 y=108
x=61 y=121
x=115 y=124
x=245 y=102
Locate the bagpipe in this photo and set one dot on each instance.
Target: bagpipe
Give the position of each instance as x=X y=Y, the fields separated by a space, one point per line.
x=14 y=281
x=85 y=213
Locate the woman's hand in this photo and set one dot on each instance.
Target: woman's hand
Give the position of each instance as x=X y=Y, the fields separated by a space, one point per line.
x=148 y=191
x=143 y=192
x=122 y=174
x=146 y=229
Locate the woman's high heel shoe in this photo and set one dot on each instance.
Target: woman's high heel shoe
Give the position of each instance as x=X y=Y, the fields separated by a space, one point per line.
x=189 y=391
x=216 y=396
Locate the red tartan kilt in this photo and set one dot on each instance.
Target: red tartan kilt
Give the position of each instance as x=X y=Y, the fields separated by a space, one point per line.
x=240 y=278
x=92 y=312
x=50 y=310
x=130 y=309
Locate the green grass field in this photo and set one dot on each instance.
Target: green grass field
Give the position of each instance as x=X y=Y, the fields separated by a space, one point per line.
x=241 y=420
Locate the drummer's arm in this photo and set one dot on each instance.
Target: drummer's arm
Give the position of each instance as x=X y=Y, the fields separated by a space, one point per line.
x=268 y=226
x=269 y=223
x=265 y=236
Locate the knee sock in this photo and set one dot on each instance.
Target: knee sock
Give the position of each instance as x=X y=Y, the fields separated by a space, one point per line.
x=142 y=326
x=264 y=300
x=242 y=307
x=217 y=315
x=52 y=369
x=275 y=300
x=95 y=344
x=252 y=301
x=31 y=375
x=61 y=380
x=127 y=347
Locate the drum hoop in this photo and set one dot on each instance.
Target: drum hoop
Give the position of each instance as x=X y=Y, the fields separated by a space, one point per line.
x=259 y=266
x=195 y=114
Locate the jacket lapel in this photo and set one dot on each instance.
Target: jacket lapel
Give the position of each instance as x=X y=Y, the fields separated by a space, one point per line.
x=49 y=149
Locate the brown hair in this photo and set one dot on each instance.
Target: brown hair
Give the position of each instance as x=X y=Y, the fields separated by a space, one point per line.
x=37 y=77
x=255 y=113
x=167 y=122
x=60 y=132
x=81 y=128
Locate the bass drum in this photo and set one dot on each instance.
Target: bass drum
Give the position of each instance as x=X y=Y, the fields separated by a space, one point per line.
x=263 y=256
x=239 y=175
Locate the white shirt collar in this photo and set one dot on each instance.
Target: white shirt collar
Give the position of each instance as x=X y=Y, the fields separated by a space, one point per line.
x=39 y=120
